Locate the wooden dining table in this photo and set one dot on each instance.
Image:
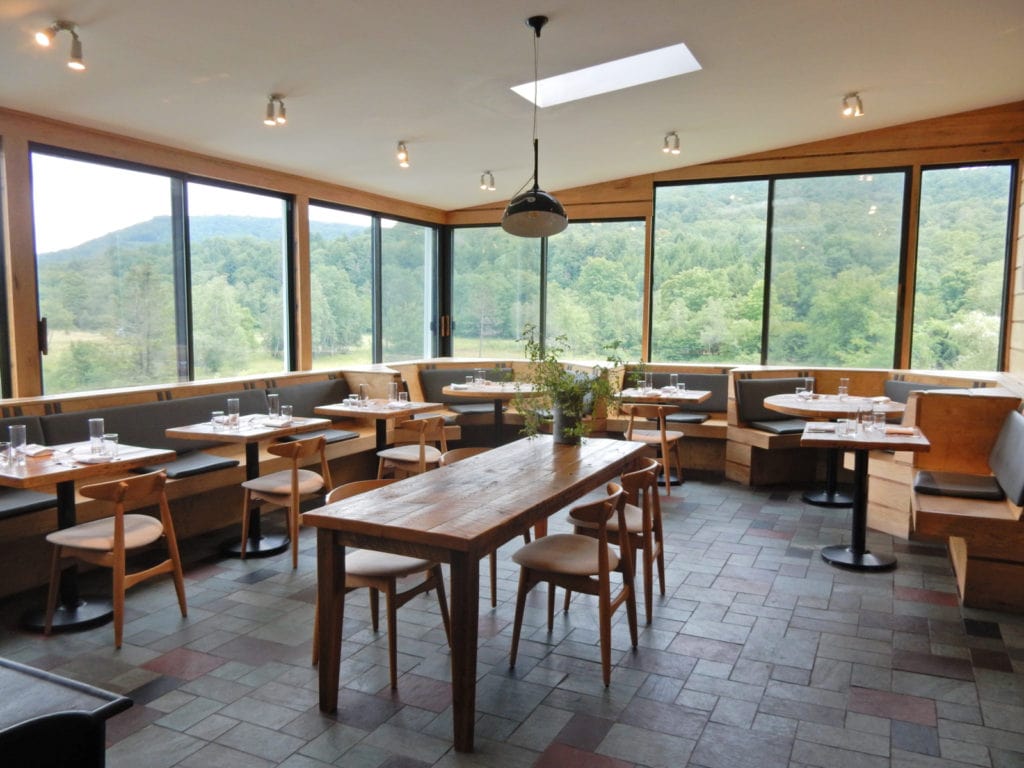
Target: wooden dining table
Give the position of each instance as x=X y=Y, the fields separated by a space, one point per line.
x=499 y=392
x=252 y=429
x=455 y=516
x=380 y=410
x=819 y=407
x=665 y=396
x=62 y=466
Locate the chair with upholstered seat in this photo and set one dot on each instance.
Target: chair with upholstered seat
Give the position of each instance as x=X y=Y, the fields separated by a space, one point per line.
x=106 y=541
x=667 y=441
x=288 y=488
x=458 y=454
x=415 y=457
x=643 y=526
x=380 y=572
x=582 y=564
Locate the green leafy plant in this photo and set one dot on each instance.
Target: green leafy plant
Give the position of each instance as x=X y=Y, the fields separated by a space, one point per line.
x=571 y=393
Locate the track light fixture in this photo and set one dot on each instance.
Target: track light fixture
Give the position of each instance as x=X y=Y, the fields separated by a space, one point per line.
x=402 y=155
x=852 y=105
x=487 y=181
x=671 y=145
x=44 y=37
x=276 y=113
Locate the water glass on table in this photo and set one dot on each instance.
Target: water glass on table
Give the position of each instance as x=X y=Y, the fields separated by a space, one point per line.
x=286 y=414
x=233 y=407
x=673 y=381
x=403 y=397
x=217 y=420
x=364 y=396
x=110 y=444
x=95 y=436
x=392 y=391
x=273 y=406
x=844 y=388
x=5 y=454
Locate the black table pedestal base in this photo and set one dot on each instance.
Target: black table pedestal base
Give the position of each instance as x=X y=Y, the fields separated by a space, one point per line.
x=826 y=498
x=264 y=546
x=89 y=612
x=845 y=557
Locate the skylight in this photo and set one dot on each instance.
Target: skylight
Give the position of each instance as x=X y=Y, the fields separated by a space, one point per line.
x=611 y=76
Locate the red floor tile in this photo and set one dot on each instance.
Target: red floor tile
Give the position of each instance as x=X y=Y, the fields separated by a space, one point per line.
x=896 y=706
x=184 y=664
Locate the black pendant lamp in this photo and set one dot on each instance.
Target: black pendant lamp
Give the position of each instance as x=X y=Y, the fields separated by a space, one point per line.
x=534 y=213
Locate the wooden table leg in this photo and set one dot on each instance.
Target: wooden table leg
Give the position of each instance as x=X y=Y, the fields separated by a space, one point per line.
x=465 y=602
x=330 y=592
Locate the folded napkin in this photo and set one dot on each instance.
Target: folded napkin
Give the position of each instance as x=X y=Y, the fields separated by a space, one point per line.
x=458 y=386
x=880 y=399
x=899 y=430
x=819 y=426
x=34 y=449
x=397 y=404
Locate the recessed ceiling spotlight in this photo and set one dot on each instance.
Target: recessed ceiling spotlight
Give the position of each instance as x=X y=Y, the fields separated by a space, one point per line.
x=402 y=155
x=487 y=181
x=276 y=113
x=671 y=145
x=852 y=105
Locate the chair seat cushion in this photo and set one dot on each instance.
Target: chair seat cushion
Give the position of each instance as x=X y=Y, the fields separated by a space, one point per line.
x=780 y=426
x=280 y=483
x=410 y=453
x=465 y=409
x=684 y=417
x=191 y=463
x=564 y=553
x=371 y=564
x=98 y=535
x=958 y=484
x=653 y=436
x=634 y=520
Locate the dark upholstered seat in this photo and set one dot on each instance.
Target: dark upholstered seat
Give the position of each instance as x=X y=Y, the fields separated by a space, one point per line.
x=750 y=408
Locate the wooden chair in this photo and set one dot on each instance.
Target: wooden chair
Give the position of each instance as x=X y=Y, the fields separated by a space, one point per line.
x=643 y=527
x=458 y=454
x=288 y=488
x=665 y=440
x=106 y=541
x=582 y=564
x=415 y=458
x=380 y=572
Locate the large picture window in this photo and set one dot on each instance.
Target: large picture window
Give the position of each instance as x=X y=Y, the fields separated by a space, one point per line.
x=708 y=286
x=962 y=247
x=408 y=255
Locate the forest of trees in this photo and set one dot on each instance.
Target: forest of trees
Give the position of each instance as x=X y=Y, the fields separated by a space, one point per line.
x=835 y=244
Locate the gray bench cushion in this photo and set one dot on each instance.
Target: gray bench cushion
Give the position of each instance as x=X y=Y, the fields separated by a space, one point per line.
x=1007 y=457
x=899 y=391
x=305 y=397
x=782 y=426
x=434 y=380
x=17 y=501
x=685 y=417
x=191 y=463
x=965 y=486
x=329 y=435
x=750 y=395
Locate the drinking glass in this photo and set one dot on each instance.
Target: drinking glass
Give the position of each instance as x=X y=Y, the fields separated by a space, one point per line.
x=878 y=420
x=843 y=427
x=273 y=406
x=392 y=391
x=217 y=420
x=844 y=388
x=286 y=413
x=403 y=397
x=95 y=436
x=801 y=392
x=809 y=385
x=5 y=454
x=233 y=413
x=481 y=376
x=673 y=381
x=364 y=396
x=648 y=381
x=110 y=444
x=18 y=440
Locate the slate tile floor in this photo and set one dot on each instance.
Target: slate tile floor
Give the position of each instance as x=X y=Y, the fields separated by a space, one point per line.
x=760 y=656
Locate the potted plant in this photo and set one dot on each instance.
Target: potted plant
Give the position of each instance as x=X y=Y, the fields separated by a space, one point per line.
x=562 y=395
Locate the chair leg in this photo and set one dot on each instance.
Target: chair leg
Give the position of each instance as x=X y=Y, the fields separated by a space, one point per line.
x=176 y=574
x=551 y=607
x=380 y=469
x=442 y=602
x=315 y=655
x=246 y=502
x=293 y=532
x=517 y=623
x=605 y=622
x=51 y=596
x=494 y=579
x=645 y=553
x=118 y=595
x=568 y=597
x=392 y=611
x=375 y=609
x=677 y=449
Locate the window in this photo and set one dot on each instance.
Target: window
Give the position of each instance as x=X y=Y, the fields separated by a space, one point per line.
x=962 y=250
x=112 y=255
x=835 y=258
x=105 y=261
x=595 y=287
x=708 y=277
x=495 y=291
x=239 y=249
x=341 y=286
x=408 y=255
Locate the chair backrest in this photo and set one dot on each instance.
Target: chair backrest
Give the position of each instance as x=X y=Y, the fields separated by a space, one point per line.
x=458 y=454
x=297 y=450
x=647 y=411
x=348 y=490
x=1007 y=457
x=641 y=489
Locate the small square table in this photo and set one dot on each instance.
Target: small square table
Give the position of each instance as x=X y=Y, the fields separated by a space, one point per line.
x=381 y=411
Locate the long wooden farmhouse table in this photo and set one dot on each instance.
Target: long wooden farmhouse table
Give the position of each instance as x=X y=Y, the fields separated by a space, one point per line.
x=456 y=515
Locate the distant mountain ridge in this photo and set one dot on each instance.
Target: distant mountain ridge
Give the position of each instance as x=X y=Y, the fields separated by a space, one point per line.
x=201 y=228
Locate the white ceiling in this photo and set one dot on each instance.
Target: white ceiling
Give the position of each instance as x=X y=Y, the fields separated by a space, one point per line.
x=358 y=75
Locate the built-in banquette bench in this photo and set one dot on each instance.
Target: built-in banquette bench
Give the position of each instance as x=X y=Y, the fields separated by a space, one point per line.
x=205 y=476
x=968 y=491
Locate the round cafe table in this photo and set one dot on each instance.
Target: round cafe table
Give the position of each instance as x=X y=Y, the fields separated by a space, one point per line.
x=827 y=408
